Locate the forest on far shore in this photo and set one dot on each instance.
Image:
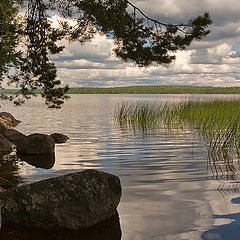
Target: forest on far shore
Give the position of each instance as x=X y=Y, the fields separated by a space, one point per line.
x=155 y=90
x=145 y=90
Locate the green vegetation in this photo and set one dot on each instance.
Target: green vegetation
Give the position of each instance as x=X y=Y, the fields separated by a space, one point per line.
x=216 y=121
x=8 y=91
x=157 y=90
x=139 y=115
x=144 y=90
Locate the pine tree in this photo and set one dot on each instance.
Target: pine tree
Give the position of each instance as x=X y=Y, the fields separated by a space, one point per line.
x=27 y=41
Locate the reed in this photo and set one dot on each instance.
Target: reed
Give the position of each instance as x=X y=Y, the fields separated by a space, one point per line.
x=217 y=121
x=138 y=115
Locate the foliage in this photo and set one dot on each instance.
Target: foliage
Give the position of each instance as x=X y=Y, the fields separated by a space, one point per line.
x=28 y=39
x=8 y=36
x=138 y=115
x=156 y=90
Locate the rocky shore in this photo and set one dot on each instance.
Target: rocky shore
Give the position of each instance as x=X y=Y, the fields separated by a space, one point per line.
x=73 y=202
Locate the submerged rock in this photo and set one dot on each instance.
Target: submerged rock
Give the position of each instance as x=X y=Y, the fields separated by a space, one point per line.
x=73 y=201
x=36 y=144
x=13 y=135
x=59 y=138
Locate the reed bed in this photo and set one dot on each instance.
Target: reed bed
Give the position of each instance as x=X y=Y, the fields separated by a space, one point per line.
x=138 y=115
x=217 y=121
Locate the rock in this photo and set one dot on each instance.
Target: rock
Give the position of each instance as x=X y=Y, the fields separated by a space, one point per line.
x=5 y=184
x=13 y=135
x=3 y=126
x=45 y=161
x=59 y=138
x=6 y=146
x=9 y=119
x=73 y=201
x=1 y=190
x=36 y=144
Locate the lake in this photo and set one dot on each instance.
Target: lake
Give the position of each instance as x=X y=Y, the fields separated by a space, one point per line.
x=169 y=191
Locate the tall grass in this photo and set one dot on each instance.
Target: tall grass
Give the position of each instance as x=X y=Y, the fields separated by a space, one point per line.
x=217 y=122
x=138 y=115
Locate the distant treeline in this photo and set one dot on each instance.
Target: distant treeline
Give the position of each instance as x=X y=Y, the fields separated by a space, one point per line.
x=8 y=91
x=146 y=90
x=157 y=90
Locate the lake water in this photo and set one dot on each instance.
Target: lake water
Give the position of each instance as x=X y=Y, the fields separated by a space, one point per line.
x=169 y=191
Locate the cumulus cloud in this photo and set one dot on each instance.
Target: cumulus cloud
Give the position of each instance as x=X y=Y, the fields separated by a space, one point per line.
x=235 y=54
x=214 y=61
x=221 y=50
x=100 y=48
x=183 y=62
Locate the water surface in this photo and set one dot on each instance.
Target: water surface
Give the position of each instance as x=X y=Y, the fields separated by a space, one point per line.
x=169 y=191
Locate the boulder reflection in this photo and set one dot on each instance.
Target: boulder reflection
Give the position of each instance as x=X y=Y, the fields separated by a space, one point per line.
x=45 y=161
x=9 y=169
x=107 y=230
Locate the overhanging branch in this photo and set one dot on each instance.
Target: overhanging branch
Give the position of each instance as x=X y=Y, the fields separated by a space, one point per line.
x=151 y=19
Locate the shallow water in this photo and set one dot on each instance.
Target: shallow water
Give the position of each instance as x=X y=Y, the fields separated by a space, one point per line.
x=169 y=191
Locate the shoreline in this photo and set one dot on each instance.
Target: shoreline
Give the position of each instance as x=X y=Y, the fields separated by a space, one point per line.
x=145 y=90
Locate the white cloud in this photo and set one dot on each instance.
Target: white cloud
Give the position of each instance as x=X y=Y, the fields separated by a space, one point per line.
x=238 y=30
x=208 y=62
x=55 y=21
x=183 y=62
x=98 y=48
x=221 y=50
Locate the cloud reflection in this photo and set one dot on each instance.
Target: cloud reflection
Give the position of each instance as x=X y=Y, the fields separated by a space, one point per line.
x=229 y=231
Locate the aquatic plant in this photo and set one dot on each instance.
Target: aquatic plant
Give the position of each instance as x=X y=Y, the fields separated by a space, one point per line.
x=217 y=121
x=138 y=115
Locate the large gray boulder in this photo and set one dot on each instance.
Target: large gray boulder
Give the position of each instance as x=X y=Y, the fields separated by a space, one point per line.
x=13 y=135
x=73 y=201
x=6 y=146
x=59 y=137
x=36 y=144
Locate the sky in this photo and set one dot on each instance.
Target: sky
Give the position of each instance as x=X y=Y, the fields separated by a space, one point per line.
x=213 y=61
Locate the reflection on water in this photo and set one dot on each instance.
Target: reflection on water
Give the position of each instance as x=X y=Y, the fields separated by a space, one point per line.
x=45 y=161
x=229 y=231
x=9 y=169
x=169 y=190
x=223 y=166
x=108 y=230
